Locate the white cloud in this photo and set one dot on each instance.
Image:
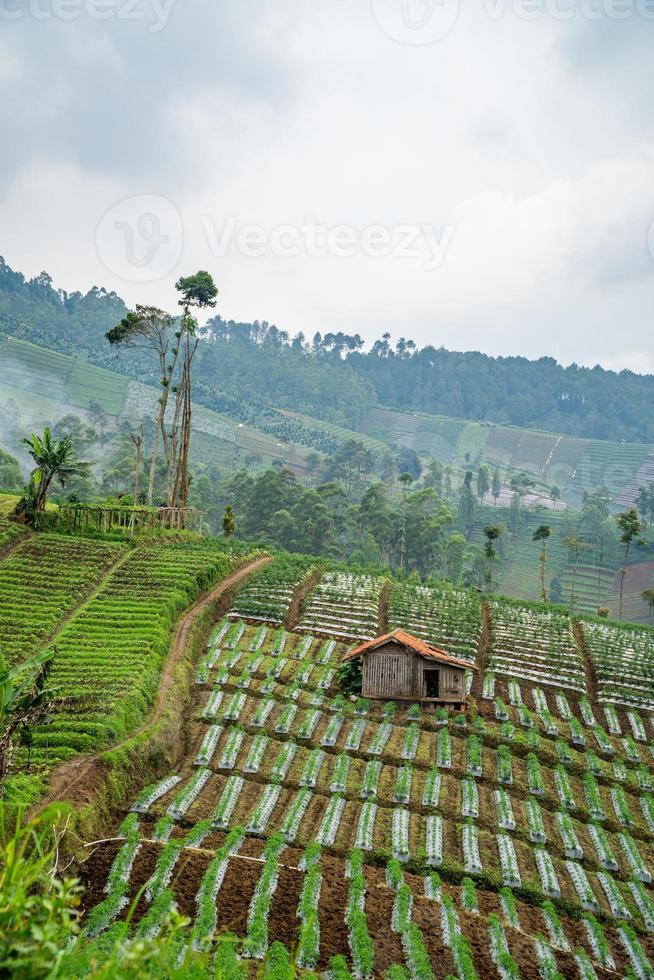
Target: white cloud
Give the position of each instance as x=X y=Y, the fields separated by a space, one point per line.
x=506 y=130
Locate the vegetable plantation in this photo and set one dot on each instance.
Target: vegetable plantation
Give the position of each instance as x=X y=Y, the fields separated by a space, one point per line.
x=42 y=581
x=391 y=838
x=344 y=606
x=448 y=618
x=106 y=612
x=268 y=594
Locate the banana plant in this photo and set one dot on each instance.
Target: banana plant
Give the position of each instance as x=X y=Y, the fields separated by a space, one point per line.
x=25 y=700
x=55 y=459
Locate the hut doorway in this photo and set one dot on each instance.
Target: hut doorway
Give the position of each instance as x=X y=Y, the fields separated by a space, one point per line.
x=432 y=683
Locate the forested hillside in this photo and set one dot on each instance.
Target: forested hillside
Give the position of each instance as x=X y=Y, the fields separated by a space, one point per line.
x=330 y=376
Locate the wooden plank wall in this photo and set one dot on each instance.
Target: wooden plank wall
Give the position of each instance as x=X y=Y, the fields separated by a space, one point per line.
x=389 y=674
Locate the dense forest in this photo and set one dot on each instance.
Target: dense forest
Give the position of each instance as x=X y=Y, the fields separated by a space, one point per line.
x=243 y=367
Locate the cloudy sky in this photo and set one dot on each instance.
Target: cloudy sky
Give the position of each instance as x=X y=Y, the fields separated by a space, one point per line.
x=478 y=178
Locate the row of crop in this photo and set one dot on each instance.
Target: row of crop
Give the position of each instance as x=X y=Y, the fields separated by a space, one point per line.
x=402 y=784
x=361 y=941
x=334 y=729
x=414 y=739
x=43 y=580
x=536 y=645
x=268 y=593
x=344 y=606
x=239 y=669
x=407 y=835
x=448 y=618
x=623 y=660
x=111 y=652
x=559 y=704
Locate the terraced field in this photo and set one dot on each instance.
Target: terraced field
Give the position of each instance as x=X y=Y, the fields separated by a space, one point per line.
x=42 y=581
x=571 y=463
x=46 y=386
x=639 y=576
x=106 y=610
x=514 y=840
x=110 y=654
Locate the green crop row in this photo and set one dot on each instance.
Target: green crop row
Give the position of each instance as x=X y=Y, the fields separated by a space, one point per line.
x=108 y=656
x=43 y=580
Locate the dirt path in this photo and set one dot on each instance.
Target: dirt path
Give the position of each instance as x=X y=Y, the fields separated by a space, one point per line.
x=483 y=649
x=13 y=543
x=295 y=608
x=384 y=595
x=589 y=667
x=89 y=770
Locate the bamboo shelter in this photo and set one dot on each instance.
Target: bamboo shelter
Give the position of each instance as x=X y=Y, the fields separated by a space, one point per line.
x=400 y=667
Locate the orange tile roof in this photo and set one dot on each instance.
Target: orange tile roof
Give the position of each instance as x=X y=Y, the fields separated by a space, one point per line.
x=420 y=647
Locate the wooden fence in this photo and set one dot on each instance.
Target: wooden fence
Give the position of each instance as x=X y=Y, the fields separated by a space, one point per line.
x=80 y=517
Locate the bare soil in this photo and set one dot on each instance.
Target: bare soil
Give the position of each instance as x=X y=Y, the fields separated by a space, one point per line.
x=300 y=594
x=591 y=676
x=383 y=608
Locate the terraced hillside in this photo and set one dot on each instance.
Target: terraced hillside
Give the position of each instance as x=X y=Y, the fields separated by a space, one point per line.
x=46 y=385
x=106 y=611
x=513 y=840
x=43 y=386
x=639 y=577
x=571 y=463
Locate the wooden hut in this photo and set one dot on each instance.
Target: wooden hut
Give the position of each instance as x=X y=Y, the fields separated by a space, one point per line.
x=400 y=667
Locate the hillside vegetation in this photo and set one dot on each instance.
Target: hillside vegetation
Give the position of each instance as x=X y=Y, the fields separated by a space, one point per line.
x=250 y=364
x=345 y=500
x=320 y=829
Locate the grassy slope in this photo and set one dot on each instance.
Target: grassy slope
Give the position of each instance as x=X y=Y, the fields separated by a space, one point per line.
x=44 y=380
x=573 y=464
x=46 y=385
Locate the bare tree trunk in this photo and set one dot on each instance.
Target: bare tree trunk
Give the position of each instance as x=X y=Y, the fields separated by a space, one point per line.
x=160 y=420
x=172 y=444
x=138 y=443
x=153 y=461
x=182 y=480
x=180 y=413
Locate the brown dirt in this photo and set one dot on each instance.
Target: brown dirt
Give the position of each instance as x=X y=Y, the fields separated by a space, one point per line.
x=331 y=911
x=483 y=648
x=388 y=946
x=77 y=779
x=300 y=594
x=591 y=677
x=242 y=875
x=383 y=608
